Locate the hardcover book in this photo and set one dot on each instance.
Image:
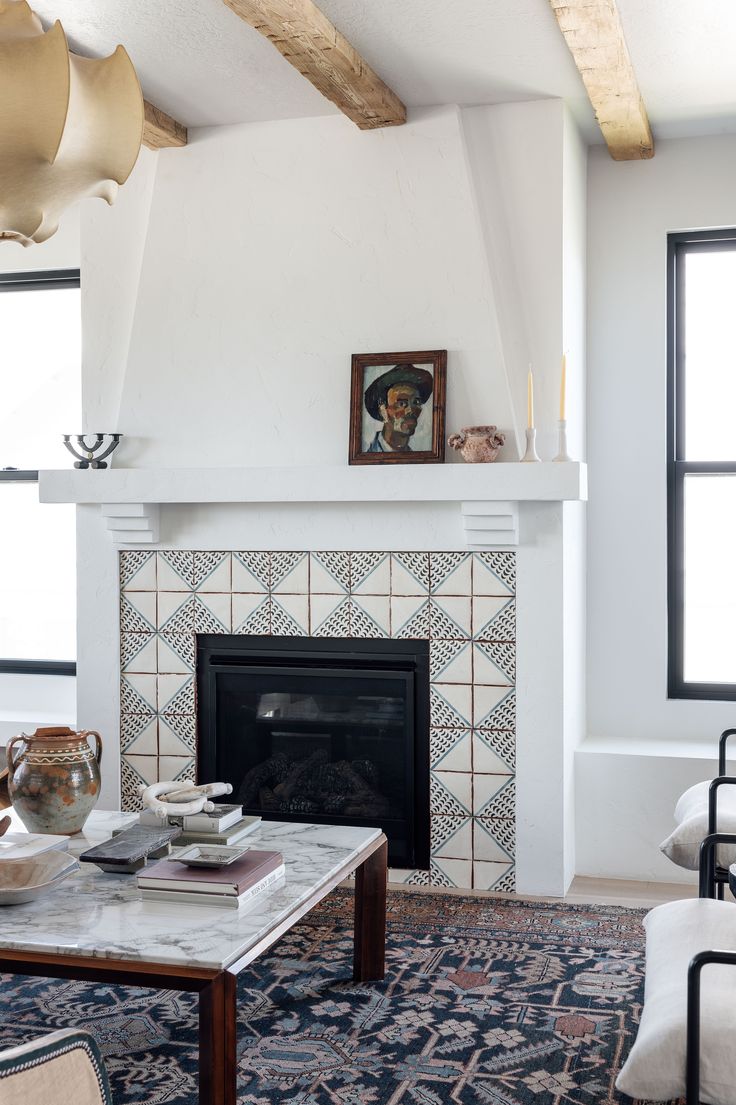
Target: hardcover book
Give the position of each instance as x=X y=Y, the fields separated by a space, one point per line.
x=233 y=880
x=222 y=817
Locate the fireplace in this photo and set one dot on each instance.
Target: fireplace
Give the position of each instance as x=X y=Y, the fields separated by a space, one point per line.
x=320 y=729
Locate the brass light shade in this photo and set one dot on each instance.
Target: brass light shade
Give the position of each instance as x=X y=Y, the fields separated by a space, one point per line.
x=70 y=127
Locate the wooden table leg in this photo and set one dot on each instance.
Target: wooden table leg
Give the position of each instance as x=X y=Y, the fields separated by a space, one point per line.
x=369 y=961
x=217 y=1041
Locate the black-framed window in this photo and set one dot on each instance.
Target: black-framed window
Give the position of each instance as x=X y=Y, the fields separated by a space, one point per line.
x=40 y=385
x=701 y=464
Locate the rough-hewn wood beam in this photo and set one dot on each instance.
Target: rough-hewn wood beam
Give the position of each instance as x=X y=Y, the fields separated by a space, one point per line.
x=160 y=130
x=309 y=42
x=593 y=32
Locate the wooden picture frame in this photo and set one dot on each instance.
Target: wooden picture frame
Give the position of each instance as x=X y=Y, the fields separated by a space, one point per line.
x=392 y=420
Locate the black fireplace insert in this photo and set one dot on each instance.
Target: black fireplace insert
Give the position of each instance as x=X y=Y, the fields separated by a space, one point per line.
x=327 y=730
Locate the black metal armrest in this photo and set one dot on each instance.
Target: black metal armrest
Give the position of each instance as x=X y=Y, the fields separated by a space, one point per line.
x=707 y=862
x=721 y=781
x=722 y=749
x=692 y=1054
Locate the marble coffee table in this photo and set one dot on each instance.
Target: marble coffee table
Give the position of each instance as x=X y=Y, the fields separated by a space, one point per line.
x=94 y=927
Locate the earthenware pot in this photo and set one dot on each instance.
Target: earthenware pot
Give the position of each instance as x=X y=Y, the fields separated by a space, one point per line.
x=54 y=782
x=477 y=444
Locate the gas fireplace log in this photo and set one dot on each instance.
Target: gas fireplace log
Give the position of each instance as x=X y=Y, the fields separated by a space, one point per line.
x=270 y=772
x=299 y=773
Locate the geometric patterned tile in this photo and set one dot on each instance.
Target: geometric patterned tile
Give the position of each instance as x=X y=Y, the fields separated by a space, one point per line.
x=500 y=877
x=370 y=573
x=146 y=741
x=494 y=751
x=176 y=735
x=176 y=611
x=449 y=573
x=494 y=796
x=451 y=873
x=450 y=705
x=494 y=573
x=138 y=694
x=138 y=612
x=176 y=768
x=289 y=615
x=451 y=837
x=250 y=572
x=370 y=615
x=494 y=707
x=176 y=652
x=494 y=619
x=494 y=662
x=410 y=573
x=449 y=618
x=211 y=613
x=329 y=615
x=251 y=614
x=289 y=573
x=175 y=571
x=399 y=876
x=494 y=839
x=450 y=661
x=329 y=573
x=146 y=767
x=133 y=726
x=176 y=694
x=450 y=749
x=138 y=652
x=212 y=571
x=450 y=793
x=137 y=570
x=130 y=780
x=409 y=617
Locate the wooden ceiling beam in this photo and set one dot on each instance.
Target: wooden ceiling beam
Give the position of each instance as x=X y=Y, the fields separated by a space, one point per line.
x=310 y=42
x=593 y=32
x=160 y=131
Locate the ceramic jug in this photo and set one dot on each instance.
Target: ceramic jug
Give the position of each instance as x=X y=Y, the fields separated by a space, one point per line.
x=54 y=781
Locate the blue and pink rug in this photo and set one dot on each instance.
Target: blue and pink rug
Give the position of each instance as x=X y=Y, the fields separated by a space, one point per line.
x=486 y=1002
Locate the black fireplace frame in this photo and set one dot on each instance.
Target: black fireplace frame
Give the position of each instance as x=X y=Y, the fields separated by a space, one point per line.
x=222 y=652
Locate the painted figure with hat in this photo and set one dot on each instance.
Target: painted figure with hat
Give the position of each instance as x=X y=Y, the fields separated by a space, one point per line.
x=396 y=398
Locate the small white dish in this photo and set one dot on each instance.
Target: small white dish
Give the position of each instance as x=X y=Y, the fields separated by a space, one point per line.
x=25 y=880
x=209 y=855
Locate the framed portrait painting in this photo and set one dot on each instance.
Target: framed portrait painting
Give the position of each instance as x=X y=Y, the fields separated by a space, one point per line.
x=397 y=407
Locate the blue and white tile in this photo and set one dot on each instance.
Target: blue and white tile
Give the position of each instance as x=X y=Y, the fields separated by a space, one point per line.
x=449 y=617
x=494 y=619
x=450 y=573
x=494 y=796
x=137 y=570
x=176 y=735
x=494 y=573
x=329 y=573
x=494 y=839
x=145 y=743
x=250 y=572
x=370 y=573
x=131 y=778
x=450 y=793
x=409 y=617
x=452 y=873
x=450 y=750
x=450 y=705
x=252 y=614
x=370 y=616
x=212 y=612
x=138 y=612
x=176 y=652
x=176 y=768
x=138 y=694
x=290 y=615
x=494 y=751
x=138 y=652
x=450 y=661
x=289 y=573
x=494 y=707
x=451 y=837
x=494 y=662
x=176 y=694
x=175 y=570
x=329 y=615
x=176 y=611
x=137 y=726
x=410 y=573
x=499 y=877
x=145 y=767
x=212 y=571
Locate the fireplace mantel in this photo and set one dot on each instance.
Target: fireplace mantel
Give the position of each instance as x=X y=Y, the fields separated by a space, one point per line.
x=487 y=494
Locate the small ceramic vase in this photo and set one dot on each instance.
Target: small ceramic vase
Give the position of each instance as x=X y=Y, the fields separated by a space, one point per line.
x=478 y=444
x=54 y=782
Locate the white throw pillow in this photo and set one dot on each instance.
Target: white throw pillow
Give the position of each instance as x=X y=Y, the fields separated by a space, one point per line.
x=655 y=1068
x=682 y=846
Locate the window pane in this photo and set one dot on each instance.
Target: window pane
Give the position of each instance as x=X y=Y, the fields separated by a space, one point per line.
x=41 y=376
x=37 y=576
x=710 y=360
x=710 y=579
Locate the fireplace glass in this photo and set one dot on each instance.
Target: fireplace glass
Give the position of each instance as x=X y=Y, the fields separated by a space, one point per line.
x=321 y=730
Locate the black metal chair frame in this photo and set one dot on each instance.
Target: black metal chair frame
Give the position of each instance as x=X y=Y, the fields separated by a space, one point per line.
x=710 y=886
x=719 y=874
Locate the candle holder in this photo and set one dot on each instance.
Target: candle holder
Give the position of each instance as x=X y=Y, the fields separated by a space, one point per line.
x=91 y=454
x=562 y=453
x=530 y=455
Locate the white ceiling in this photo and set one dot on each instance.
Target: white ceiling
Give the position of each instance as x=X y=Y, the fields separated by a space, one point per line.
x=199 y=62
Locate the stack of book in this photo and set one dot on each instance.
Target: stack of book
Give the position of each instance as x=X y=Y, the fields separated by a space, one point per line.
x=225 y=825
x=232 y=886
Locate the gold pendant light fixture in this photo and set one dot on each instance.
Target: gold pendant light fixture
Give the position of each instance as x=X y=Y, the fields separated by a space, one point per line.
x=70 y=127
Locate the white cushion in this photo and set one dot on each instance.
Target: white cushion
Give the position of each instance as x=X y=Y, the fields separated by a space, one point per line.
x=682 y=846
x=655 y=1068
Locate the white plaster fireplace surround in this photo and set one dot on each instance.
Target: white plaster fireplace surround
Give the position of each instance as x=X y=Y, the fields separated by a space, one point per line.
x=463 y=603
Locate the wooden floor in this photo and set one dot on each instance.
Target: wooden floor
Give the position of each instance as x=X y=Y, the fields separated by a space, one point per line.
x=588 y=891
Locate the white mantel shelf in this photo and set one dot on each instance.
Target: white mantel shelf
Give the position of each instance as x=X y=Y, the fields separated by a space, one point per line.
x=488 y=494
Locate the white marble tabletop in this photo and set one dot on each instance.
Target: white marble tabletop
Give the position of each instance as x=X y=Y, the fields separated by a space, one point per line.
x=100 y=914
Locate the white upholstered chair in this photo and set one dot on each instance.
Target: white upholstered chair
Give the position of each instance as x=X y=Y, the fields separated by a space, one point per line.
x=62 y=1068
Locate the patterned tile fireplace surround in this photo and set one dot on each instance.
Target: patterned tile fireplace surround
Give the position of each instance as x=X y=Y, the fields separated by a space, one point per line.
x=463 y=603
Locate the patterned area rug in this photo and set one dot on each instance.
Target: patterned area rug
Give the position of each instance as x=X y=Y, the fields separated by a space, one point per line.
x=486 y=1002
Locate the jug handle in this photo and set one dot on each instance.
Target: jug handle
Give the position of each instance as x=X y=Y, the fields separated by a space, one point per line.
x=98 y=743
x=13 y=763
